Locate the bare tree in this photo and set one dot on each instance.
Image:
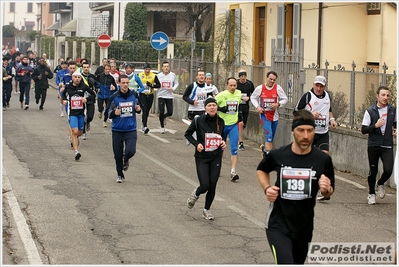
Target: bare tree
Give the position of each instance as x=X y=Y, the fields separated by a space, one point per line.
x=202 y=13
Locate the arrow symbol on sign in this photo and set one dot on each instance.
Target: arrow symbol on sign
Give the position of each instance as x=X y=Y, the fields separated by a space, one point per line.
x=161 y=41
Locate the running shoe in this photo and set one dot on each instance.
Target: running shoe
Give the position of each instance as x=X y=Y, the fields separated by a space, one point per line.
x=321 y=197
x=26 y=107
x=234 y=176
x=241 y=146
x=146 y=130
x=100 y=115
x=119 y=179
x=192 y=199
x=263 y=150
x=162 y=130
x=126 y=165
x=371 y=199
x=104 y=124
x=206 y=214
x=8 y=105
x=4 y=108
x=84 y=136
x=77 y=155
x=380 y=191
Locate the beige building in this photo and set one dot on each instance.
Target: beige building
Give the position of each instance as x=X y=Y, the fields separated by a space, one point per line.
x=338 y=32
x=21 y=15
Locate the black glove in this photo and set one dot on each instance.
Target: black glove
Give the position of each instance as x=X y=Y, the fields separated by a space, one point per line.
x=149 y=84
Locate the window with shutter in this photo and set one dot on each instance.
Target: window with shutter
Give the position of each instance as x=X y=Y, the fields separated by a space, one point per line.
x=280 y=27
x=296 y=28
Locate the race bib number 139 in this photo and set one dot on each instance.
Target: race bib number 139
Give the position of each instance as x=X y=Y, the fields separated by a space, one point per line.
x=295 y=183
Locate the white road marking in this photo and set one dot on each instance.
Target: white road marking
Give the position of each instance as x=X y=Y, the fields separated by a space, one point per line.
x=247 y=216
x=159 y=138
x=233 y=208
x=163 y=140
x=195 y=184
x=166 y=130
x=23 y=228
x=186 y=121
x=178 y=174
x=350 y=182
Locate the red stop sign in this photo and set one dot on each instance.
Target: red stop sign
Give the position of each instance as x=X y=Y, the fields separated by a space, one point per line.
x=104 y=41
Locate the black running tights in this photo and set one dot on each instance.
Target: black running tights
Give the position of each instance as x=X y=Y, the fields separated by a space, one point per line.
x=287 y=249
x=208 y=171
x=374 y=154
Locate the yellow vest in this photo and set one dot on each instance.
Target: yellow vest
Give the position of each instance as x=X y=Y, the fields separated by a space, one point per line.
x=147 y=78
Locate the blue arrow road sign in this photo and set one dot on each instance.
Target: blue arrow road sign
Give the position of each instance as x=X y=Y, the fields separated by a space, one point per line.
x=159 y=40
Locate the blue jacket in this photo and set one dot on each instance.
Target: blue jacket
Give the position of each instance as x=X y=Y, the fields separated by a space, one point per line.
x=60 y=75
x=104 y=83
x=126 y=121
x=27 y=70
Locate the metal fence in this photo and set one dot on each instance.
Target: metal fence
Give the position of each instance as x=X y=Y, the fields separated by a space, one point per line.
x=350 y=89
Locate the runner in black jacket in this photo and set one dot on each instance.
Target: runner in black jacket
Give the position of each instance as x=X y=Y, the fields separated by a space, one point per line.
x=208 y=154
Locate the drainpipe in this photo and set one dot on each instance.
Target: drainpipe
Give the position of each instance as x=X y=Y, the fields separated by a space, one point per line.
x=319 y=37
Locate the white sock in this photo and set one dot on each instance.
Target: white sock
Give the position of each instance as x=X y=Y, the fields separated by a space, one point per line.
x=233 y=170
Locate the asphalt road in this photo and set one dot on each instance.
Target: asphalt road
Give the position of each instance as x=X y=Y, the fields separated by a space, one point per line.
x=60 y=211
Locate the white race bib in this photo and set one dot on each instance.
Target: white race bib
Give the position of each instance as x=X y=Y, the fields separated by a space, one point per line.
x=76 y=102
x=232 y=107
x=212 y=141
x=295 y=183
x=127 y=109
